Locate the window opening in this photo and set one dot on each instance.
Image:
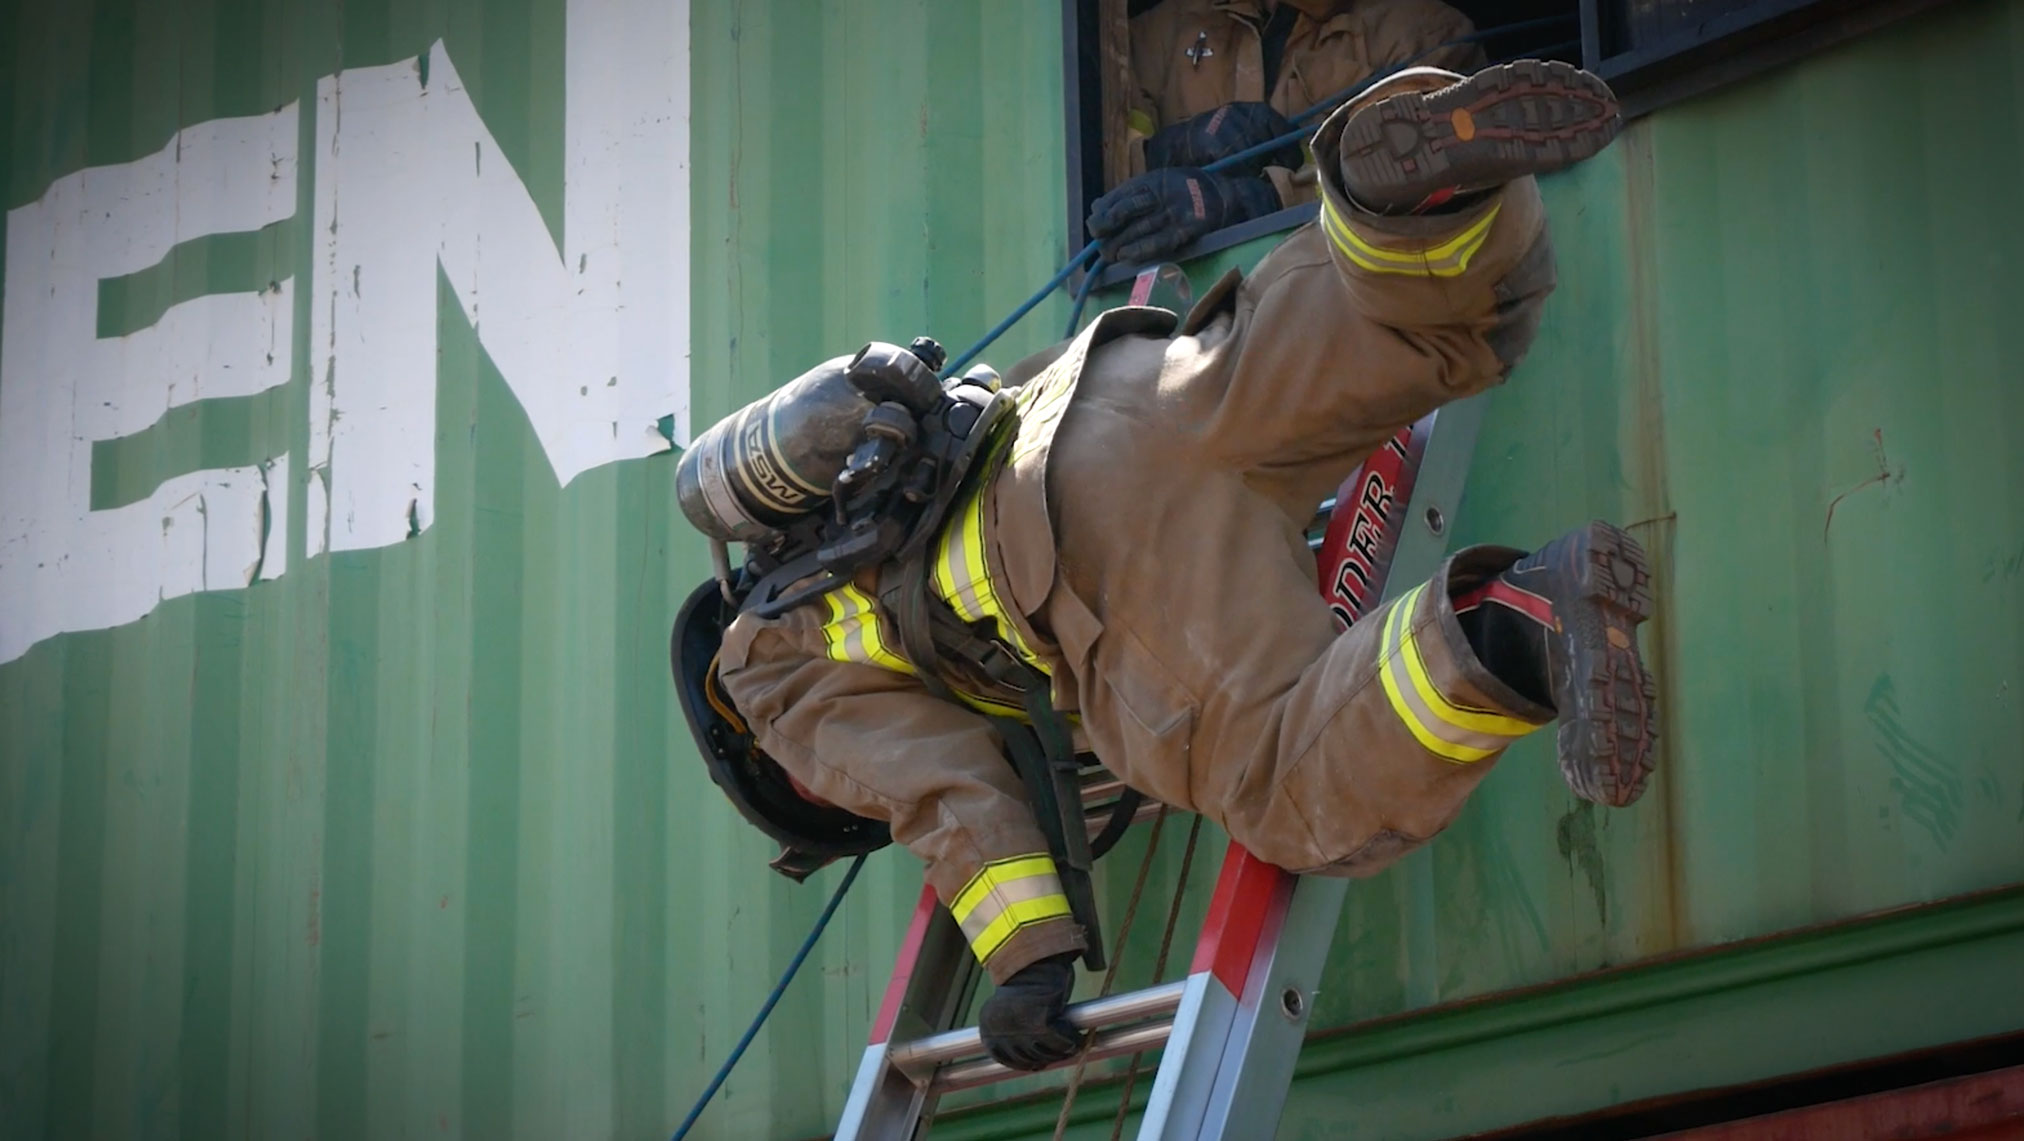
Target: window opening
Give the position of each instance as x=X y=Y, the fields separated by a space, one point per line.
x=1129 y=70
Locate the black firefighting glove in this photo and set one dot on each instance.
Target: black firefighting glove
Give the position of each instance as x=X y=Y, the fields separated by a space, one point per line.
x=1023 y=1022
x=1149 y=217
x=1218 y=134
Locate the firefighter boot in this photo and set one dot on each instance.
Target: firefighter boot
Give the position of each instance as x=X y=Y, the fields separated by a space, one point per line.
x=1418 y=150
x=1559 y=626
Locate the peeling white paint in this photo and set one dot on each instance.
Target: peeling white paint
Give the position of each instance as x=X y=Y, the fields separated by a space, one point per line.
x=273 y=562
x=64 y=566
x=591 y=334
x=593 y=347
x=223 y=344
x=316 y=515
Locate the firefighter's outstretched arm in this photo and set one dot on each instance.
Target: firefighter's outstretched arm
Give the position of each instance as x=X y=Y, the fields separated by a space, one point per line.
x=874 y=741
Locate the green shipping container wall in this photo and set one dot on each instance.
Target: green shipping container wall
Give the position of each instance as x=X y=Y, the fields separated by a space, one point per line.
x=341 y=790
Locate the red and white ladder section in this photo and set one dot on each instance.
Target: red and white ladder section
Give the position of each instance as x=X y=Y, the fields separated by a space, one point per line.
x=1230 y=1031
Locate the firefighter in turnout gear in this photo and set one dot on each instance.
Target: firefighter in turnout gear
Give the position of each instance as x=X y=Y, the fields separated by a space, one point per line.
x=1135 y=538
x=1211 y=78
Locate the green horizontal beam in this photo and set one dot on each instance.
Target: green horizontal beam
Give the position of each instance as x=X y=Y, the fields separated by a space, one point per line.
x=1871 y=988
x=1686 y=977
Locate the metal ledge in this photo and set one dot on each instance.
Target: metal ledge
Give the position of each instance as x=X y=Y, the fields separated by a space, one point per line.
x=1906 y=979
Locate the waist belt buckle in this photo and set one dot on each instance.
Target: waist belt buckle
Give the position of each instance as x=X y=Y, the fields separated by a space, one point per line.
x=1003 y=665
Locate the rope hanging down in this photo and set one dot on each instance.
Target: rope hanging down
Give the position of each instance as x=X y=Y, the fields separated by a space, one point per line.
x=1181 y=881
x=772 y=1000
x=1138 y=888
x=1131 y=1074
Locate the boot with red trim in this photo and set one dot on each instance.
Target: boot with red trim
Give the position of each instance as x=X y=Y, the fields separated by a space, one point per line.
x=1559 y=626
x=1420 y=151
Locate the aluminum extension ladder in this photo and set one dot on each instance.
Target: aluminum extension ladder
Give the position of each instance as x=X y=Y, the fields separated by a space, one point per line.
x=1231 y=1030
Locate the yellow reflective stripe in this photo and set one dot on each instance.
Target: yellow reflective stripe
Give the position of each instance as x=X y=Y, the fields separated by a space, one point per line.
x=852 y=635
x=963 y=579
x=1004 y=896
x=1464 y=717
x=852 y=632
x=987 y=942
x=1465 y=242
x=1441 y=725
x=993 y=875
x=959 y=566
x=1457 y=249
x=1447 y=259
x=1407 y=715
x=832 y=630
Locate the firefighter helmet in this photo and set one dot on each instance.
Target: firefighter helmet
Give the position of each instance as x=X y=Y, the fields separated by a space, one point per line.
x=810 y=834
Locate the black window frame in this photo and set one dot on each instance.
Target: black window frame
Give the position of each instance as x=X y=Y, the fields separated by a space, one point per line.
x=1724 y=49
x=1727 y=47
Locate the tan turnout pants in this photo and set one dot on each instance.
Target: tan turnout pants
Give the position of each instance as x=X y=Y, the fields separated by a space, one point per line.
x=1145 y=539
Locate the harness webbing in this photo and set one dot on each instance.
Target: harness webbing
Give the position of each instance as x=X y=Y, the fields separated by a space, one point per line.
x=1042 y=749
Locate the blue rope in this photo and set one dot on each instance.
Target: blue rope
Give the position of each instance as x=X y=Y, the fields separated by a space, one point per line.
x=772 y=1000
x=1025 y=307
x=1082 y=296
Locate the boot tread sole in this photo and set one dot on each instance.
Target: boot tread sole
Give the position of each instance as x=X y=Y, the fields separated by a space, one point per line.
x=1606 y=698
x=1505 y=122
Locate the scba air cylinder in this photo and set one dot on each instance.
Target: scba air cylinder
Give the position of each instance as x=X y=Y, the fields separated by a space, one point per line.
x=773 y=460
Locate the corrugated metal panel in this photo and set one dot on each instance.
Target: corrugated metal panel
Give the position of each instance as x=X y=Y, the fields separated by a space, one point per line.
x=862 y=170
x=1767 y=298
x=407 y=840
x=1778 y=307
x=410 y=840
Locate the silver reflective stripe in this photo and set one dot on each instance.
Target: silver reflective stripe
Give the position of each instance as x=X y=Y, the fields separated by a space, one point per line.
x=961 y=589
x=852 y=624
x=1438 y=734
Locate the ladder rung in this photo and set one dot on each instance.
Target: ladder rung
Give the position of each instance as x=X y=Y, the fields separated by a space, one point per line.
x=1098 y=821
x=1102 y=789
x=919 y=1057
x=1109 y=1044
x=1322 y=514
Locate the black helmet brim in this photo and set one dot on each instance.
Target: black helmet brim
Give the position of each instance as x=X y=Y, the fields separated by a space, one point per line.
x=810 y=834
